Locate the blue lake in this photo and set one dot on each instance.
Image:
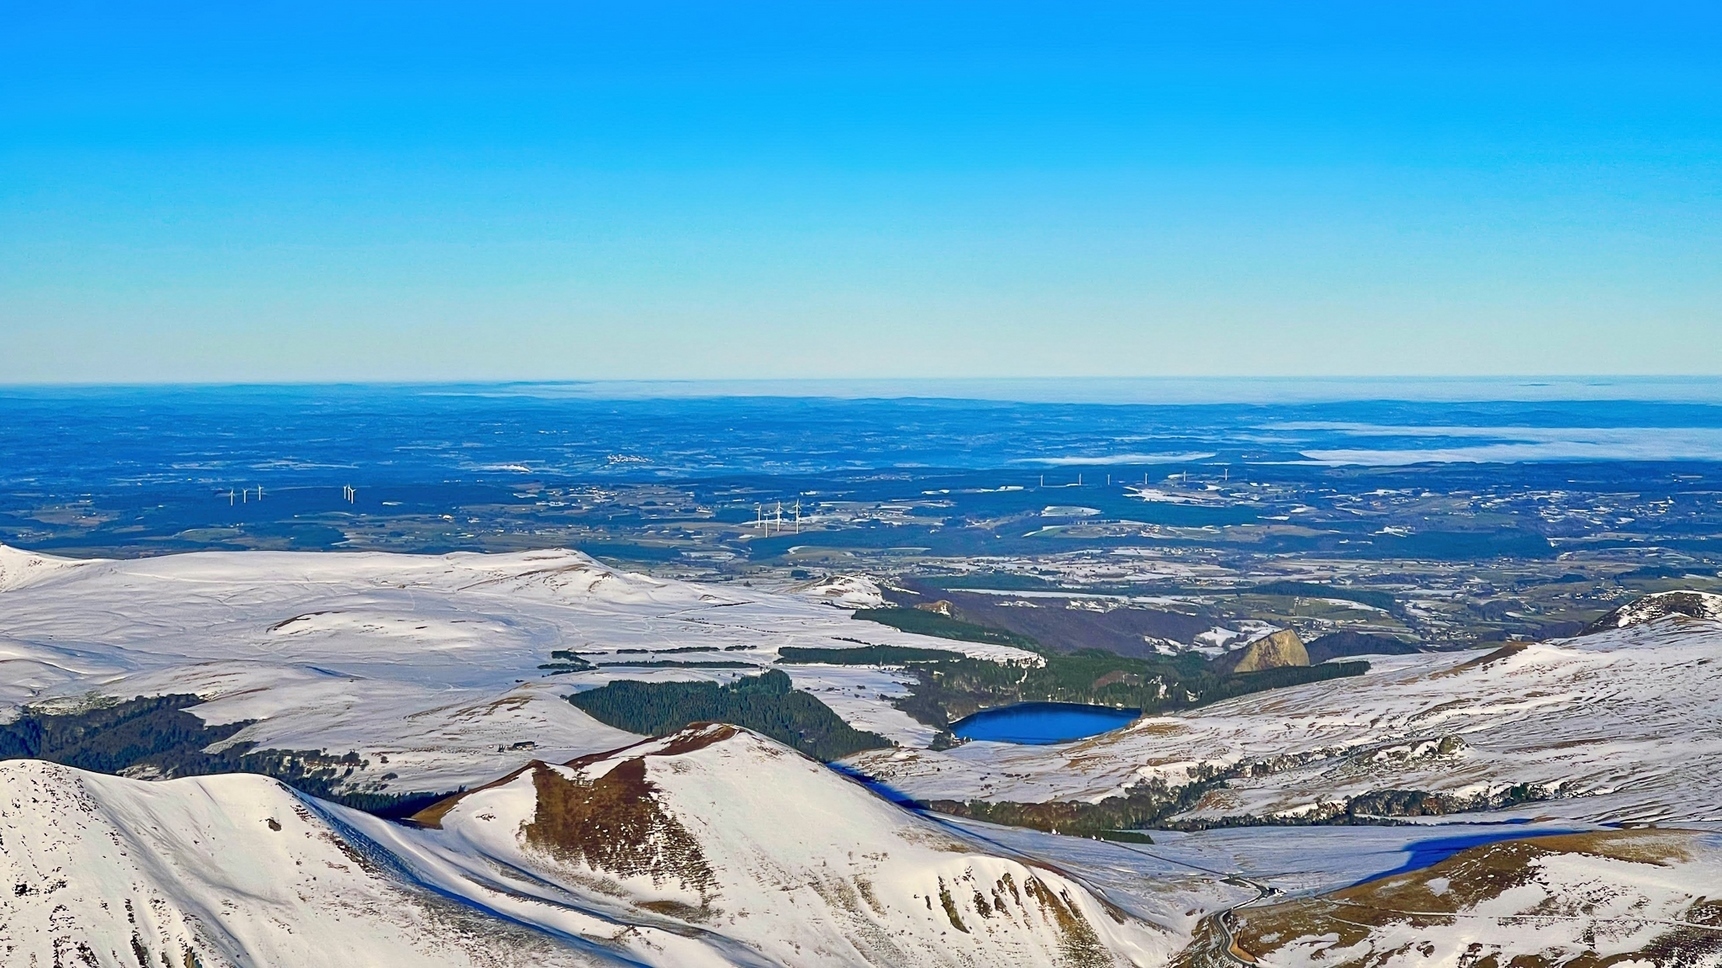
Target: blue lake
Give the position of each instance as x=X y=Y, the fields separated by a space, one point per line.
x=1041 y=723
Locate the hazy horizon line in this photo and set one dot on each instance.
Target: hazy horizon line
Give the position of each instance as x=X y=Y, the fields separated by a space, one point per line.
x=1167 y=390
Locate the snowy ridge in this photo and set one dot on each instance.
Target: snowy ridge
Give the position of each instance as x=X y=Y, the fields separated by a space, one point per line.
x=213 y=871
x=727 y=831
x=711 y=847
x=846 y=591
x=19 y=568
x=1658 y=605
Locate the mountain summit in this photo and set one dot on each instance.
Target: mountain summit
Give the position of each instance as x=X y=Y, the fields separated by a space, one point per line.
x=716 y=828
x=1690 y=604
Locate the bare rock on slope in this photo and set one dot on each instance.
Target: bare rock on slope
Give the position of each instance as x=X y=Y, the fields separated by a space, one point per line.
x=718 y=829
x=1690 y=604
x=1275 y=650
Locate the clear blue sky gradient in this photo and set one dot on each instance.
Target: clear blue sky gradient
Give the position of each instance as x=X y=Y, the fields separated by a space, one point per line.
x=322 y=191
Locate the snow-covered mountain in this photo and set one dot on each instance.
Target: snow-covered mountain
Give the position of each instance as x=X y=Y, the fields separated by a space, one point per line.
x=1660 y=605
x=580 y=843
x=719 y=829
x=216 y=871
x=713 y=846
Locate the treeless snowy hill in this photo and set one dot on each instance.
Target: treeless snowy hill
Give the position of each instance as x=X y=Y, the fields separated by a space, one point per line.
x=1659 y=605
x=215 y=871
x=714 y=846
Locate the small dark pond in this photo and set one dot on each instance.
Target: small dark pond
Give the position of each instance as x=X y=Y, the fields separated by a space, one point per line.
x=1040 y=723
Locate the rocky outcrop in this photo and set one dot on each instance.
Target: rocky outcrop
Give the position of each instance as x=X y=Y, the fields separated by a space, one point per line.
x=1275 y=650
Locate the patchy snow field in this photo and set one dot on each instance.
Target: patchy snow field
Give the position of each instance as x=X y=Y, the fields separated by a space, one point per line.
x=431 y=661
x=1617 y=726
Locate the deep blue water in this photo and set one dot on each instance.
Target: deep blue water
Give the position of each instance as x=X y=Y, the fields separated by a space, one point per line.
x=1042 y=723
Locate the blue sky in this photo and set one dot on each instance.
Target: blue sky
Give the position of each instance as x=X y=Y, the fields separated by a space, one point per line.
x=312 y=191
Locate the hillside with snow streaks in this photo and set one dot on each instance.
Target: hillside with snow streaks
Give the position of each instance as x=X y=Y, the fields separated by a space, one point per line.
x=1626 y=897
x=1613 y=726
x=726 y=831
x=714 y=846
x=215 y=871
x=430 y=661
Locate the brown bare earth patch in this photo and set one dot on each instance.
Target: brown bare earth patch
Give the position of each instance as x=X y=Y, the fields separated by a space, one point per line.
x=1117 y=676
x=696 y=736
x=1662 y=847
x=615 y=824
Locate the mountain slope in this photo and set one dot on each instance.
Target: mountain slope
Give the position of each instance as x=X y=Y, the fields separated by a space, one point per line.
x=1659 y=605
x=723 y=830
x=1611 y=897
x=1610 y=727
x=711 y=847
x=213 y=871
x=438 y=671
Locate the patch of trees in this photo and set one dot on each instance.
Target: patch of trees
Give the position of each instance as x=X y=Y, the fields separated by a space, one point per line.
x=565 y=660
x=766 y=703
x=156 y=736
x=924 y=622
x=678 y=664
x=960 y=686
x=1155 y=804
x=865 y=655
x=1150 y=803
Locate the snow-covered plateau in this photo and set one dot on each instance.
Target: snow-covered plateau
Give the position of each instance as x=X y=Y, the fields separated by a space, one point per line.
x=428 y=667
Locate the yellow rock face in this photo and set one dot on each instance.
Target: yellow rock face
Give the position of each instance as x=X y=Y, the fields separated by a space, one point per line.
x=1283 y=648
